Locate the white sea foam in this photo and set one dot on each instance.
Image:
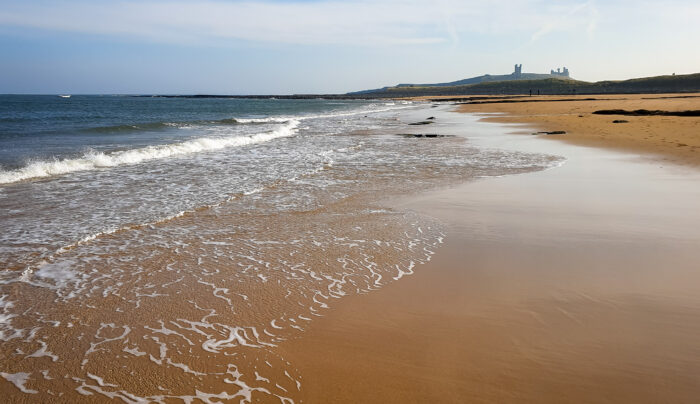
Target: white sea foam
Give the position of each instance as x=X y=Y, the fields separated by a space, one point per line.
x=6 y=331
x=284 y=119
x=264 y=120
x=100 y=381
x=18 y=379
x=95 y=160
x=43 y=352
x=55 y=275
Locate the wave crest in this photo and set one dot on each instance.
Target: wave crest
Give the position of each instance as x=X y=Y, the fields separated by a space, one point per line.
x=95 y=160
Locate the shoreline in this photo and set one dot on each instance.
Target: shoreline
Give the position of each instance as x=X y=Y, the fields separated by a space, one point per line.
x=196 y=306
x=574 y=284
x=519 y=291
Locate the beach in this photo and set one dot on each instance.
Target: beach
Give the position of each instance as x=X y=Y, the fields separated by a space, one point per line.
x=310 y=251
x=351 y=202
x=574 y=284
x=662 y=138
x=168 y=249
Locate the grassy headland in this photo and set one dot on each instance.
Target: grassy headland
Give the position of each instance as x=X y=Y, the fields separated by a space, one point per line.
x=658 y=84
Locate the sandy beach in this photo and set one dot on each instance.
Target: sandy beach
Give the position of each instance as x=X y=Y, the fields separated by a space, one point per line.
x=663 y=138
x=574 y=284
x=361 y=202
x=418 y=254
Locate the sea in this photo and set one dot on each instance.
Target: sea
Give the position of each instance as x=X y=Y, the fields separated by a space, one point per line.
x=162 y=249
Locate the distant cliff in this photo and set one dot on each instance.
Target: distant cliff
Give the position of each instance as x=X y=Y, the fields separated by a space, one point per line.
x=550 y=85
x=487 y=78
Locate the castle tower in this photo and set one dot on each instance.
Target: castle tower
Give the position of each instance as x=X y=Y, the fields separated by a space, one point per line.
x=564 y=72
x=518 y=70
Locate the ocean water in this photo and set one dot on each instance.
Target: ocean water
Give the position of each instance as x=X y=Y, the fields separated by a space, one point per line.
x=89 y=165
x=161 y=249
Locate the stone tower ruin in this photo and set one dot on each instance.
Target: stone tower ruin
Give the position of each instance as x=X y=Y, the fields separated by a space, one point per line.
x=560 y=72
x=518 y=72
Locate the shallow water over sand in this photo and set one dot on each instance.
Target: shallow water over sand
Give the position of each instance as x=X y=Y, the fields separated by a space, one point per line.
x=194 y=303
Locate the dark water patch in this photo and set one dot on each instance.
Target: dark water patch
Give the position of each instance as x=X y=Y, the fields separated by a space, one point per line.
x=127 y=128
x=178 y=124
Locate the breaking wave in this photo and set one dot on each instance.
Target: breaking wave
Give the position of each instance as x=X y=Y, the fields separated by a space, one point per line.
x=95 y=160
x=229 y=121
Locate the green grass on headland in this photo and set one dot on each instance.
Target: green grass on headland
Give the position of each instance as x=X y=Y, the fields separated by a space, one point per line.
x=659 y=84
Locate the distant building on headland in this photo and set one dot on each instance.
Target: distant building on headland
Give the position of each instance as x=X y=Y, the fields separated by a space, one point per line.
x=563 y=72
x=518 y=73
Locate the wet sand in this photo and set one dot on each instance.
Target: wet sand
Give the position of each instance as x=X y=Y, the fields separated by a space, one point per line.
x=575 y=284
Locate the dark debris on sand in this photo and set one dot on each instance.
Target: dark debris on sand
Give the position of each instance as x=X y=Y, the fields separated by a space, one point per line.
x=423 y=135
x=554 y=132
x=646 y=112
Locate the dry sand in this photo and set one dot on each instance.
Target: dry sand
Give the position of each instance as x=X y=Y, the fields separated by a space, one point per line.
x=576 y=284
x=668 y=138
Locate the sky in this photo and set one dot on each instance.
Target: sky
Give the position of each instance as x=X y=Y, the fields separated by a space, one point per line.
x=331 y=46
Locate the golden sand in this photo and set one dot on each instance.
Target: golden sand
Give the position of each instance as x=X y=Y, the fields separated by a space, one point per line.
x=668 y=138
x=574 y=285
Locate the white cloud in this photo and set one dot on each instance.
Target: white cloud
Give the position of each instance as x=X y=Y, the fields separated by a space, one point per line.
x=569 y=18
x=358 y=22
x=353 y=22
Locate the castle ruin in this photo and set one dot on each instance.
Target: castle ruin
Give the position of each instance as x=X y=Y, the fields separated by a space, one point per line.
x=518 y=71
x=560 y=72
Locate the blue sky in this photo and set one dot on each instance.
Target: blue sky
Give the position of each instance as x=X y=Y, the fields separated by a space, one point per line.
x=318 y=46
